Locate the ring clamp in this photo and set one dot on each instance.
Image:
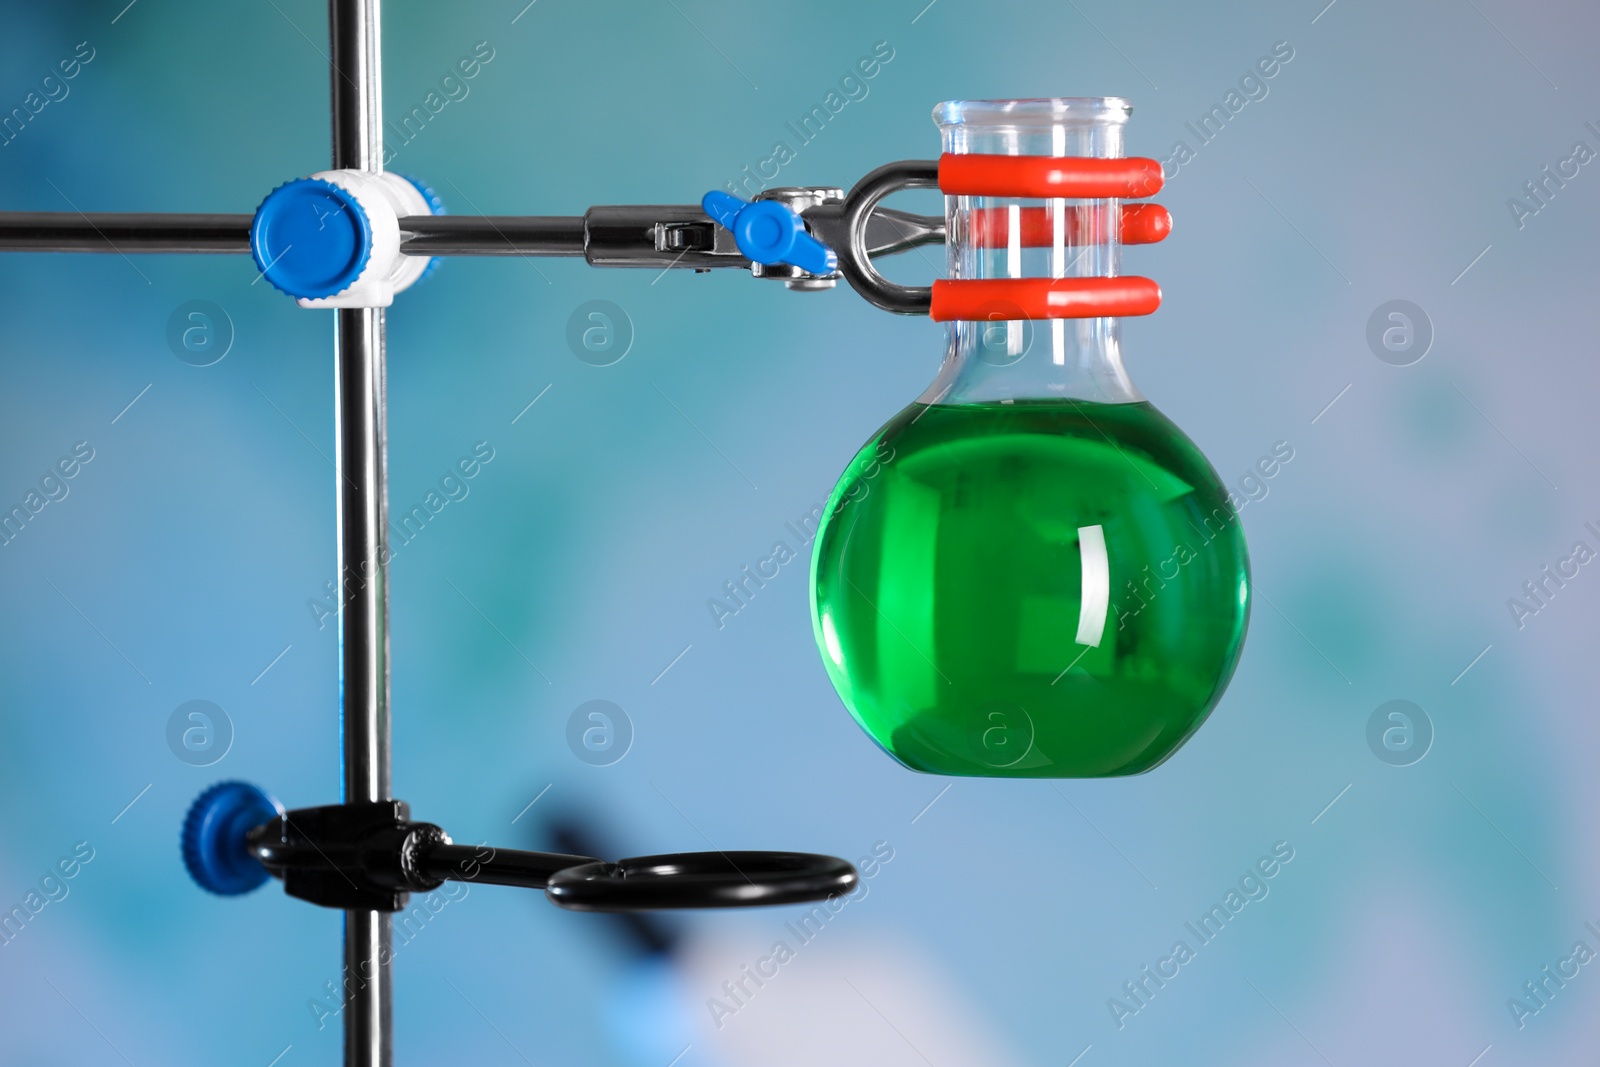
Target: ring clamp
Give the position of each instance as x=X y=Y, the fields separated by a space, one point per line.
x=858 y=207
x=701 y=880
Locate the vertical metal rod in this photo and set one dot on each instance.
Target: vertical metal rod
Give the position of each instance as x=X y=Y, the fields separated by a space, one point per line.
x=354 y=49
x=363 y=554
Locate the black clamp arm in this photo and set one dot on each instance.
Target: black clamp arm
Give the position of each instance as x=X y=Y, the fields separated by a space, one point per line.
x=370 y=856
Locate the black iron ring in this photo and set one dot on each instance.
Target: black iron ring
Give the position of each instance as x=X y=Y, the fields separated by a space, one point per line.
x=701 y=880
x=858 y=206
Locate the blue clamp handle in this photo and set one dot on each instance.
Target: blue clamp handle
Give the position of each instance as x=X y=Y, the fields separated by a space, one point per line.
x=215 y=843
x=770 y=233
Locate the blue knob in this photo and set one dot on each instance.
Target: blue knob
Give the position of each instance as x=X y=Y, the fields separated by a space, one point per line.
x=214 y=846
x=435 y=202
x=769 y=232
x=435 y=206
x=310 y=238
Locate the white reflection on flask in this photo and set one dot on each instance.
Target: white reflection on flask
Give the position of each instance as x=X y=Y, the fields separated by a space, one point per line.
x=831 y=637
x=1092 y=611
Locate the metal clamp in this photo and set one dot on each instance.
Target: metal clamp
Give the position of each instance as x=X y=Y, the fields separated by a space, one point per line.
x=859 y=210
x=370 y=856
x=656 y=236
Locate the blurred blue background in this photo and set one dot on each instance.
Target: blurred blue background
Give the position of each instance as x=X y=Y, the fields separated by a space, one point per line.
x=184 y=559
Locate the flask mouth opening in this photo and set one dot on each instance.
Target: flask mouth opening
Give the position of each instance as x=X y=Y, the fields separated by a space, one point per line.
x=1036 y=113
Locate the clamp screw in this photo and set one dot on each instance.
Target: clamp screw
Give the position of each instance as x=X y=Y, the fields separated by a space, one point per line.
x=770 y=233
x=216 y=849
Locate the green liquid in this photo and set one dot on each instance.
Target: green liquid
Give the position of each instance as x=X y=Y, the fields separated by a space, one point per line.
x=951 y=572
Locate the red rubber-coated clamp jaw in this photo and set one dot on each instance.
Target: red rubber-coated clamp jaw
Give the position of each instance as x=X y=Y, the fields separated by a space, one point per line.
x=995 y=299
x=1048 y=177
x=1017 y=178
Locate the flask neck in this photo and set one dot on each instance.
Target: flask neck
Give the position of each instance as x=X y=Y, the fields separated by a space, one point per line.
x=1062 y=359
x=1005 y=356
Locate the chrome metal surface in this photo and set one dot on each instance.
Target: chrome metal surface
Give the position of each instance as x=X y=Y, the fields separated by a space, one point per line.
x=357 y=105
x=618 y=236
x=492 y=235
x=362 y=517
x=657 y=235
x=798 y=198
x=71 y=231
x=858 y=210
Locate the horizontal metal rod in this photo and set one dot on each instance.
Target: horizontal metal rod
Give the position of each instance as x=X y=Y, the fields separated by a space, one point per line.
x=73 y=231
x=422 y=235
x=653 y=236
x=497 y=866
x=492 y=235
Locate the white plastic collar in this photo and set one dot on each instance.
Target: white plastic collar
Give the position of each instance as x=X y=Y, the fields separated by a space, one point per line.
x=385 y=199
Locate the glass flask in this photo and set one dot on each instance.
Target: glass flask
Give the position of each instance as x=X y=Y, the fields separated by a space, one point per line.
x=1030 y=572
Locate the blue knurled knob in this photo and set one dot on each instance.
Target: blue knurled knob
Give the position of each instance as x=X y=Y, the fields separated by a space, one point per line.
x=770 y=232
x=436 y=206
x=214 y=847
x=310 y=238
x=435 y=202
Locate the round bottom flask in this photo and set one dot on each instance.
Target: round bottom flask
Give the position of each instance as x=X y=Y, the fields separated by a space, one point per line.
x=1031 y=572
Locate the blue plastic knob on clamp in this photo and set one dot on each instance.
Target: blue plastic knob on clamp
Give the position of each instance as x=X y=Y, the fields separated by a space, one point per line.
x=435 y=207
x=216 y=849
x=770 y=233
x=310 y=238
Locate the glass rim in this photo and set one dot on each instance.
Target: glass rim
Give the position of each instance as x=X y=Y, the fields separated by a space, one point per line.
x=1036 y=112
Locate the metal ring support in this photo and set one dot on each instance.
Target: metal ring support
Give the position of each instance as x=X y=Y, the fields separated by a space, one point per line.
x=858 y=207
x=680 y=880
x=701 y=880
